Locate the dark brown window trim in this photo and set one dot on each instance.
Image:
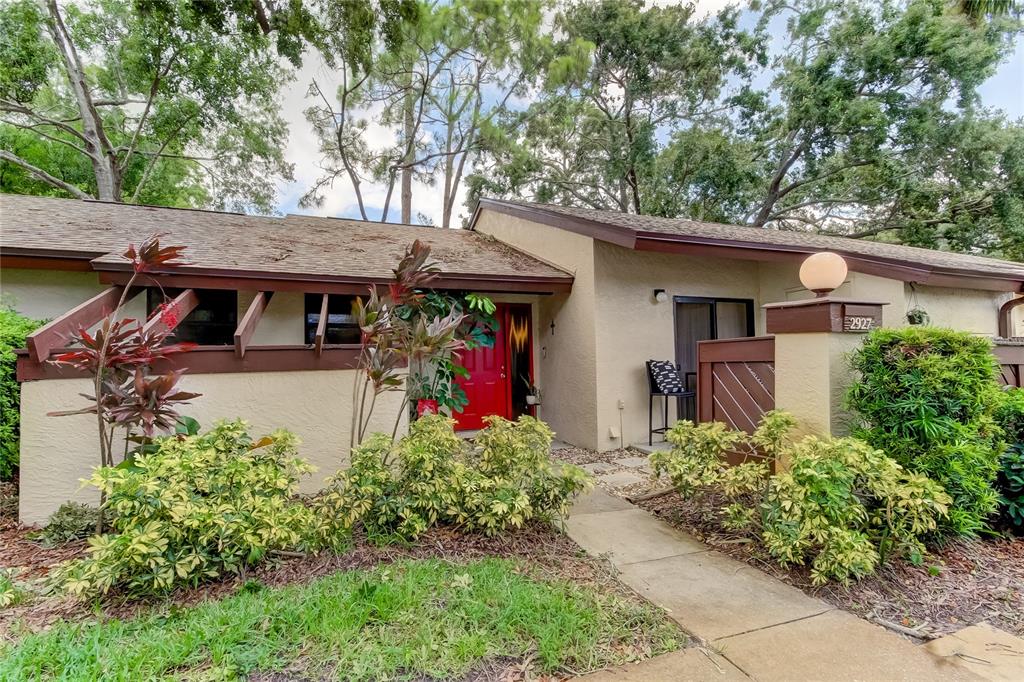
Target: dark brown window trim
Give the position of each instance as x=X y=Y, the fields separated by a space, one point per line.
x=218 y=360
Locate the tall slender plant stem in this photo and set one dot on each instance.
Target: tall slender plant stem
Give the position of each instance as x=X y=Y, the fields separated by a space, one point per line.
x=106 y=440
x=355 y=397
x=398 y=419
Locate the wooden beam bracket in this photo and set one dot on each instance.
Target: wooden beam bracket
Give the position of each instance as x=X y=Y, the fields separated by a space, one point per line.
x=183 y=304
x=321 y=328
x=59 y=331
x=247 y=325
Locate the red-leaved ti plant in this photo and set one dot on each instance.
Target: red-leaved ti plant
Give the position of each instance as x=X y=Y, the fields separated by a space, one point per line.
x=120 y=354
x=389 y=342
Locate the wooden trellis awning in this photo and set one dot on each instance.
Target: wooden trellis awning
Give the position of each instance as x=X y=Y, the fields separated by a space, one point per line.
x=55 y=336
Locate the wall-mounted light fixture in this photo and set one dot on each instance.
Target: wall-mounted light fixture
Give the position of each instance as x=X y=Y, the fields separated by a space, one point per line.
x=823 y=272
x=660 y=296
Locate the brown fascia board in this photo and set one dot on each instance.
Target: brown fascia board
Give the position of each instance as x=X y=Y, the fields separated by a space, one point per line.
x=47 y=259
x=223 y=278
x=883 y=267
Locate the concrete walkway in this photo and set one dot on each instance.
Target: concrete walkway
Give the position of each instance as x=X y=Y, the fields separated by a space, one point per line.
x=749 y=624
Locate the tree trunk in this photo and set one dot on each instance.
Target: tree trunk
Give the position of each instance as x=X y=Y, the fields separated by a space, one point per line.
x=631 y=176
x=410 y=153
x=104 y=161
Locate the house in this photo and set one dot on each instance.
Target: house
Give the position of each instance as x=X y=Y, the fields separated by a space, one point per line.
x=585 y=298
x=593 y=342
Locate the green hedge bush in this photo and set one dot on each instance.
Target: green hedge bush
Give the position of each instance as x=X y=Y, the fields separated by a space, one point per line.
x=841 y=504
x=199 y=507
x=1010 y=483
x=13 y=330
x=926 y=396
x=432 y=476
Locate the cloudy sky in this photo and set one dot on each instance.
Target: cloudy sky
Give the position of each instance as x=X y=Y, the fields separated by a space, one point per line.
x=1004 y=91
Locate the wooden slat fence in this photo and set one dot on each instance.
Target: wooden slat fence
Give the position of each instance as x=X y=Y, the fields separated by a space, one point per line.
x=1011 y=362
x=736 y=380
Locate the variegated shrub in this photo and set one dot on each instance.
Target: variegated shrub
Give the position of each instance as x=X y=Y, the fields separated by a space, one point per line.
x=840 y=504
x=432 y=476
x=198 y=507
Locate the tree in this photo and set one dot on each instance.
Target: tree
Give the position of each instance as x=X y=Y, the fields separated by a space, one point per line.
x=867 y=98
x=592 y=138
x=455 y=71
x=295 y=25
x=858 y=119
x=138 y=95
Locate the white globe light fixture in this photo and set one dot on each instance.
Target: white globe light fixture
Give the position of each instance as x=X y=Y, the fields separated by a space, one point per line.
x=823 y=272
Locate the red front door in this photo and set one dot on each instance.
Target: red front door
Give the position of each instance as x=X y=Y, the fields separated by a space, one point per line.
x=487 y=387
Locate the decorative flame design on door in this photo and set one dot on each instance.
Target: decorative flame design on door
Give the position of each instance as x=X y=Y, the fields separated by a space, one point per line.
x=518 y=333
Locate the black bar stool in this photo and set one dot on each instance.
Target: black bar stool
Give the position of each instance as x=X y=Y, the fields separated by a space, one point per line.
x=664 y=379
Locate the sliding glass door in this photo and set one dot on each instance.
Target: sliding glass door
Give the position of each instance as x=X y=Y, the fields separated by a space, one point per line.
x=701 y=319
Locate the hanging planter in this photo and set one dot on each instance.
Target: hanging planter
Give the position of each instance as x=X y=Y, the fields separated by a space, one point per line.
x=917 y=316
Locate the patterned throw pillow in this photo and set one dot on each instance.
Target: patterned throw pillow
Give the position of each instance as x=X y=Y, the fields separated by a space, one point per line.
x=666 y=377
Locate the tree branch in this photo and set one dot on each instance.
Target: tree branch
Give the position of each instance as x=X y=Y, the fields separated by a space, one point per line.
x=43 y=175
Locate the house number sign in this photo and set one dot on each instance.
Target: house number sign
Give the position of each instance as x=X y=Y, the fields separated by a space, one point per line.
x=858 y=323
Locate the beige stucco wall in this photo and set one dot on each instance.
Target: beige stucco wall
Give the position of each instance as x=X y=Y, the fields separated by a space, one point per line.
x=56 y=452
x=282 y=322
x=46 y=294
x=811 y=377
x=966 y=309
x=566 y=357
x=781 y=282
x=632 y=328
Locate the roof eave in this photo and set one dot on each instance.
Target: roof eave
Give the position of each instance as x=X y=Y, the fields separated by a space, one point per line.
x=595 y=229
x=238 y=278
x=642 y=240
x=872 y=265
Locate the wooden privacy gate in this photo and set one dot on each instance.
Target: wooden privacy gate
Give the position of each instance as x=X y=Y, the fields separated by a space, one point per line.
x=736 y=380
x=1011 y=362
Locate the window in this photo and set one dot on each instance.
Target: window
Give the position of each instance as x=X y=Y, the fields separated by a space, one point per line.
x=341 y=326
x=211 y=323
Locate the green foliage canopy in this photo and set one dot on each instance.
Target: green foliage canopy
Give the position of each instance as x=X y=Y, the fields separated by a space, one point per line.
x=147 y=103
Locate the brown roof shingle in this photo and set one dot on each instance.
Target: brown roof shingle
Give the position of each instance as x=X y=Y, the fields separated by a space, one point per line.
x=681 y=229
x=283 y=246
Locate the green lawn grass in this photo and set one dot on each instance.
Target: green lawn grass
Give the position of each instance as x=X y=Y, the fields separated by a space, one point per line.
x=405 y=619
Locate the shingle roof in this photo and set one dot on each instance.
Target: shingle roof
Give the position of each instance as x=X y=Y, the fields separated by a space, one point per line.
x=683 y=230
x=291 y=245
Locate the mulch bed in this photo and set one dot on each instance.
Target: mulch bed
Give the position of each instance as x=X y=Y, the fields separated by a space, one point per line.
x=32 y=559
x=959 y=584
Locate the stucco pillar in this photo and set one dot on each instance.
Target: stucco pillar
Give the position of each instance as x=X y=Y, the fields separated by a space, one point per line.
x=813 y=339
